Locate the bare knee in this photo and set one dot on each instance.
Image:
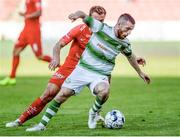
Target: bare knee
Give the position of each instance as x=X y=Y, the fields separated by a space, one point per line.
x=63 y=95
x=49 y=93
x=102 y=90
x=17 y=51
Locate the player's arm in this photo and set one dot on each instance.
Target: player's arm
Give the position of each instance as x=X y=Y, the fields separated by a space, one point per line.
x=133 y=61
x=33 y=15
x=56 y=55
x=65 y=40
x=94 y=24
x=141 y=61
x=77 y=15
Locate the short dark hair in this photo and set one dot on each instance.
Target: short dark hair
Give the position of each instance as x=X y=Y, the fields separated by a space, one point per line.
x=98 y=9
x=127 y=17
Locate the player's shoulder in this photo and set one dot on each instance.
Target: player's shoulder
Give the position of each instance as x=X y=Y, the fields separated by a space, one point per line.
x=82 y=27
x=107 y=27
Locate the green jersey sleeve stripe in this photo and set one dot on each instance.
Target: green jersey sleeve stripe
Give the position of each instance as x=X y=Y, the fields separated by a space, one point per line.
x=127 y=51
x=94 y=24
x=88 y=20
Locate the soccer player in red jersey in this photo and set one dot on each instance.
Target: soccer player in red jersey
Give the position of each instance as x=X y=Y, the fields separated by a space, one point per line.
x=79 y=36
x=30 y=35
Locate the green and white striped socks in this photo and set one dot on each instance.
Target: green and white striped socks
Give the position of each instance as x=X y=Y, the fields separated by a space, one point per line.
x=50 y=112
x=97 y=105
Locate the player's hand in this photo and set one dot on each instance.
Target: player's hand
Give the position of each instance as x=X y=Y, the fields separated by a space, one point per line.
x=73 y=17
x=22 y=14
x=53 y=64
x=77 y=15
x=141 y=61
x=145 y=77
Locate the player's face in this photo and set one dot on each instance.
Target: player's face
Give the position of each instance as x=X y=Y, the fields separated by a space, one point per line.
x=124 y=29
x=97 y=16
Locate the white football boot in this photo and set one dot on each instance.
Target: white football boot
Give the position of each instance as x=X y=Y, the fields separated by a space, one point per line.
x=94 y=117
x=39 y=127
x=15 y=123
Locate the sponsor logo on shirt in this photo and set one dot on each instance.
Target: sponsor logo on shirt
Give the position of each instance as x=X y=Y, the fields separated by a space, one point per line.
x=58 y=75
x=102 y=47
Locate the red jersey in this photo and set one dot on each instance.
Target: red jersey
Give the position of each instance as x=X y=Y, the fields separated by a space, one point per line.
x=80 y=36
x=32 y=6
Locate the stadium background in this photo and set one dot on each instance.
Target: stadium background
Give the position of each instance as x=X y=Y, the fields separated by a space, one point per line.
x=155 y=37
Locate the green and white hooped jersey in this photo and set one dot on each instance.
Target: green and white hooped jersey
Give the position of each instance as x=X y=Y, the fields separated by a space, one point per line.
x=102 y=48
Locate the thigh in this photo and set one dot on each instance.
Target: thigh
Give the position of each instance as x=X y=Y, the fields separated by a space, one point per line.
x=59 y=76
x=21 y=43
x=78 y=79
x=34 y=39
x=99 y=80
x=50 y=92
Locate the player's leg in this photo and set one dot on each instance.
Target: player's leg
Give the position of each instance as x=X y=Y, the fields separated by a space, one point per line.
x=101 y=90
x=36 y=107
x=52 y=109
x=38 y=53
x=49 y=93
x=36 y=46
x=72 y=85
x=18 y=48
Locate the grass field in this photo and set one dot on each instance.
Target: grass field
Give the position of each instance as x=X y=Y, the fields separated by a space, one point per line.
x=149 y=109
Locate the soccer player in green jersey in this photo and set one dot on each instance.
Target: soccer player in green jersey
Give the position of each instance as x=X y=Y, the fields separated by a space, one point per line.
x=95 y=65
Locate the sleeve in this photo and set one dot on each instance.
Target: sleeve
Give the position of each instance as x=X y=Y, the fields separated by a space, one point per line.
x=72 y=34
x=127 y=50
x=38 y=4
x=94 y=24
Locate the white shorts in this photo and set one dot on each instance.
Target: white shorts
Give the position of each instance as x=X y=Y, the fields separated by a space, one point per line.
x=81 y=77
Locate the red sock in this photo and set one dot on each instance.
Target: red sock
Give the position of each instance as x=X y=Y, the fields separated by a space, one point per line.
x=15 y=64
x=34 y=109
x=46 y=58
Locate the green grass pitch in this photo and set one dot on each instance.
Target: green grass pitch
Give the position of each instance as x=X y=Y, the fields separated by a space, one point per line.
x=149 y=109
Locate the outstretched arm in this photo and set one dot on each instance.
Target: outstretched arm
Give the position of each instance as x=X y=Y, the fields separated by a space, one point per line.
x=56 y=55
x=35 y=14
x=133 y=61
x=77 y=15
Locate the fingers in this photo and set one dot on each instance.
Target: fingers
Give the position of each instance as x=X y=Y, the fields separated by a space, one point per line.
x=72 y=17
x=53 y=65
x=147 y=79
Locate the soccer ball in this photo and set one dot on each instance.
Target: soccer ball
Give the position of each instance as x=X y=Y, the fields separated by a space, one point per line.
x=114 y=119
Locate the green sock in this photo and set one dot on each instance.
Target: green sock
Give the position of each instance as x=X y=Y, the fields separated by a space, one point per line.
x=97 y=105
x=50 y=112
